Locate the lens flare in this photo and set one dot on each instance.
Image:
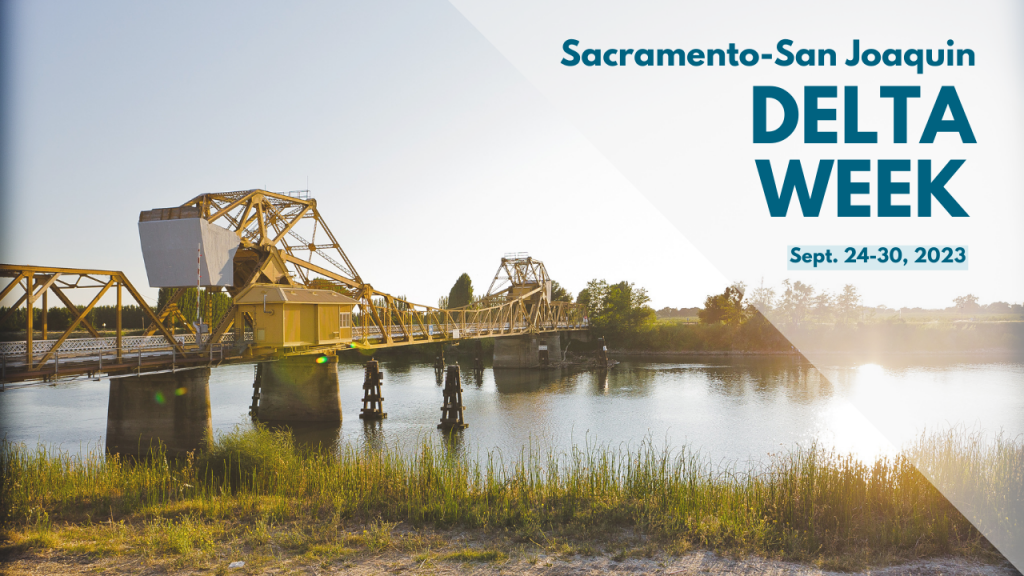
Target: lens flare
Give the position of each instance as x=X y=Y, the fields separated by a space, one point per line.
x=321 y=359
x=180 y=391
x=159 y=397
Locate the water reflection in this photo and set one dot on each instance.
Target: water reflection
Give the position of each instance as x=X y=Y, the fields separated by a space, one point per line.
x=601 y=382
x=400 y=367
x=453 y=442
x=728 y=407
x=748 y=379
x=630 y=378
x=373 y=434
x=517 y=380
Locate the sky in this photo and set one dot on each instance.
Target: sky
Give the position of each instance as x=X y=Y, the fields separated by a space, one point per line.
x=437 y=138
x=428 y=153
x=683 y=135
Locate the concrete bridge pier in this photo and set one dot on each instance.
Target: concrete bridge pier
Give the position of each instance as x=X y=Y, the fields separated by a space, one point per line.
x=300 y=389
x=530 y=351
x=581 y=335
x=171 y=407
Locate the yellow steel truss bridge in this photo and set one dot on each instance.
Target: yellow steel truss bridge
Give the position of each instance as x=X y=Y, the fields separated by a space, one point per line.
x=294 y=292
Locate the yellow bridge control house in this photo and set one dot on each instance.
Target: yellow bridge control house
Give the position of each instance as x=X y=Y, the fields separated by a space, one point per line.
x=285 y=316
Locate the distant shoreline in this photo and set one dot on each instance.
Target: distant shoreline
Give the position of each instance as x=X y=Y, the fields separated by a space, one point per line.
x=989 y=352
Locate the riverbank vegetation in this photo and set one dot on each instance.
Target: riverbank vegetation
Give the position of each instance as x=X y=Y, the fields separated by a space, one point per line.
x=253 y=496
x=737 y=320
x=742 y=320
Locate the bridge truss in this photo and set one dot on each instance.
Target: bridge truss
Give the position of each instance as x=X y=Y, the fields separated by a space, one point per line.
x=284 y=240
x=29 y=359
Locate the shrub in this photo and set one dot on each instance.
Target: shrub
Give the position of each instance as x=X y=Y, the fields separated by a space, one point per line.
x=256 y=457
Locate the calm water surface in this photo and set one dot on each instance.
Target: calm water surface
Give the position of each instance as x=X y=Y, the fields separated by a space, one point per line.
x=730 y=408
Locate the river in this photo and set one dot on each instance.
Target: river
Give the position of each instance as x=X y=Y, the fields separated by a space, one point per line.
x=731 y=408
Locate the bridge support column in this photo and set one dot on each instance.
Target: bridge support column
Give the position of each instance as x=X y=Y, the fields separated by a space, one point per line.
x=173 y=408
x=439 y=364
x=452 y=409
x=297 y=388
x=373 y=399
x=581 y=335
x=532 y=351
x=602 y=351
x=478 y=359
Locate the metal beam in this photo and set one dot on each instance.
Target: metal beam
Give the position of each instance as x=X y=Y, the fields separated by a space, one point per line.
x=290 y=225
x=28 y=322
x=17 y=280
x=319 y=270
x=173 y=300
x=117 y=324
x=243 y=219
x=263 y=224
x=224 y=325
x=226 y=209
x=71 y=307
x=145 y=308
x=74 y=324
x=42 y=289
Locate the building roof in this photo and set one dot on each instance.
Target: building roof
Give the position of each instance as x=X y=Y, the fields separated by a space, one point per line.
x=276 y=293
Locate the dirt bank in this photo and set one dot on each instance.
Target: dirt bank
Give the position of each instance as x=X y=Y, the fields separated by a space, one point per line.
x=460 y=552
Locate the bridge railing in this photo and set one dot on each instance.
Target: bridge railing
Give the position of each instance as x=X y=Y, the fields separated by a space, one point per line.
x=387 y=320
x=459 y=330
x=436 y=330
x=13 y=353
x=96 y=362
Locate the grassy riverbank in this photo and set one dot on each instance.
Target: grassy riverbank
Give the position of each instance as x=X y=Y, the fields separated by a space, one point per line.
x=253 y=496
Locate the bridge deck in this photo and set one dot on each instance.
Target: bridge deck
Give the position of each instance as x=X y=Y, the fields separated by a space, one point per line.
x=142 y=354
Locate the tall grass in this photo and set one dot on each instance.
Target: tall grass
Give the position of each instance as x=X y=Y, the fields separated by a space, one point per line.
x=805 y=503
x=983 y=478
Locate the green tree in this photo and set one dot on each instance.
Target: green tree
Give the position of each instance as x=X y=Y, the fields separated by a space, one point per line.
x=796 y=300
x=559 y=293
x=624 y=310
x=998 y=308
x=461 y=293
x=847 y=303
x=221 y=303
x=401 y=303
x=967 y=304
x=724 y=308
x=593 y=297
x=762 y=298
x=823 y=306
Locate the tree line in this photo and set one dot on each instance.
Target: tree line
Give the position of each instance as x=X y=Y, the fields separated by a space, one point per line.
x=59 y=319
x=796 y=302
x=104 y=317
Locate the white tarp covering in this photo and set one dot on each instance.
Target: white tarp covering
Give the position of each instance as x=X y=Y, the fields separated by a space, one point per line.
x=171 y=247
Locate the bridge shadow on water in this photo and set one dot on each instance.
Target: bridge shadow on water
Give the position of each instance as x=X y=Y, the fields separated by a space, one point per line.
x=597 y=382
x=519 y=380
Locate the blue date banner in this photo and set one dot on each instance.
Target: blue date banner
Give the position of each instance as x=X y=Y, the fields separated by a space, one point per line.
x=853 y=257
